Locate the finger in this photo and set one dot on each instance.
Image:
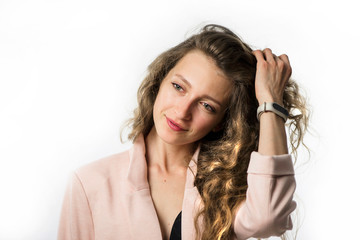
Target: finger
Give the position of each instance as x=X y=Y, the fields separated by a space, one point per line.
x=276 y=58
x=287 y=68
x=259 y=55
x=280 y=63
x=285 y=59
x=268 y=55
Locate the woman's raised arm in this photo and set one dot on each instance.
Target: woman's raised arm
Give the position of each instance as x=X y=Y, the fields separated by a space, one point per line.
x=272 y=74
x=271 y=182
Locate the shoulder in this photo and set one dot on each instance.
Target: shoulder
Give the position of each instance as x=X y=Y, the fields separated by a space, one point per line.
x=112 y=168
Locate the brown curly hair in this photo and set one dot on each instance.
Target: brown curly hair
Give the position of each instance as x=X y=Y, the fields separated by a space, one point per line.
x=224 y=156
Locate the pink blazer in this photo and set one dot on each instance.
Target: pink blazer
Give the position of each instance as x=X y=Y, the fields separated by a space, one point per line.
x=110 y=199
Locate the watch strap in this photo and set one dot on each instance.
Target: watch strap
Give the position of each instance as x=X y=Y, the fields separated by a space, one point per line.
x=272 y=107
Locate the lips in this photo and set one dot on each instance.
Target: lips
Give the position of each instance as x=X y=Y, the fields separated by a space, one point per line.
x=173 y=125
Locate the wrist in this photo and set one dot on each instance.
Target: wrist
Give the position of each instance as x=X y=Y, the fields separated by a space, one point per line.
x=270 y=98
x=264 y=116
x=274 y=108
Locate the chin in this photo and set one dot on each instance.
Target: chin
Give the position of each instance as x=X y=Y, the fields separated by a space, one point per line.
x=173 y=138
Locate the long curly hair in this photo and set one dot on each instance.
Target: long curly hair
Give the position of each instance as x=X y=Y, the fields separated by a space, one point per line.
x=221 y=177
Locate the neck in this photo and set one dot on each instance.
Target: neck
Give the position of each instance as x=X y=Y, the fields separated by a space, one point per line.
x=167 y=157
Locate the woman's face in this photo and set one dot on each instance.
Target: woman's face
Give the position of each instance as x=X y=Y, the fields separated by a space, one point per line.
x=191 y=100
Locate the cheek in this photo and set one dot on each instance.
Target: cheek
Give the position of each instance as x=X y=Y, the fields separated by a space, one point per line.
x=205 y=123
x=165 y=97
x=160 y=101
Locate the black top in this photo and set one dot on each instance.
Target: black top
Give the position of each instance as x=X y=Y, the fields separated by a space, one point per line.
x=176 y=228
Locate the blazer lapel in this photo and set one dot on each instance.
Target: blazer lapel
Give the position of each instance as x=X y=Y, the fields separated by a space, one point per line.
x=192 y=201
x=143 y=220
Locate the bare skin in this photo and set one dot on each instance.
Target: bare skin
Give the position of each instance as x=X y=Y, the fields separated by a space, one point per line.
x=167 y=183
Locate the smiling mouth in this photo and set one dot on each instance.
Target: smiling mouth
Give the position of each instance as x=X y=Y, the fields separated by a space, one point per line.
x=174 y=126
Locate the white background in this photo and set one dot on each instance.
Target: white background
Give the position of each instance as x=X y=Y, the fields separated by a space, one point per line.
x=69 y=72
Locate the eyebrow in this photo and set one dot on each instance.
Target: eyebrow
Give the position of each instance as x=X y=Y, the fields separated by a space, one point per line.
x=189 y=84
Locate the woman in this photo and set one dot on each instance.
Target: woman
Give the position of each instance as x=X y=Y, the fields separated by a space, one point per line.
x=210 y=157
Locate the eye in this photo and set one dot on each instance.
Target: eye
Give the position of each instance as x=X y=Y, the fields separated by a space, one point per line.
x=208 y=107
x=177 y=87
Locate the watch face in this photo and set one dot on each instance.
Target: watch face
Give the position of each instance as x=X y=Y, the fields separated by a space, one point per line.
x=280 y=109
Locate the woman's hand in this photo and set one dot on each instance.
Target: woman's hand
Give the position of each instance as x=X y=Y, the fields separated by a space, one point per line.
x=272 y=74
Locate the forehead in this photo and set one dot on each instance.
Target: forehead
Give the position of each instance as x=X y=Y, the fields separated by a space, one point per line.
x=202 y=73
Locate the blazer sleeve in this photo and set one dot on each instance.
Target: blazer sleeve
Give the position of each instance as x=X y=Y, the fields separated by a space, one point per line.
x=76 y=220
x=269 y=198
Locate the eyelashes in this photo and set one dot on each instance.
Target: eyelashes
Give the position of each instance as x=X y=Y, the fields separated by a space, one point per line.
x=206 y=106
x=177 y=87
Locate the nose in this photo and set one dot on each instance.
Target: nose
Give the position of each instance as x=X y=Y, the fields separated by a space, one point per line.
x=183 y=109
